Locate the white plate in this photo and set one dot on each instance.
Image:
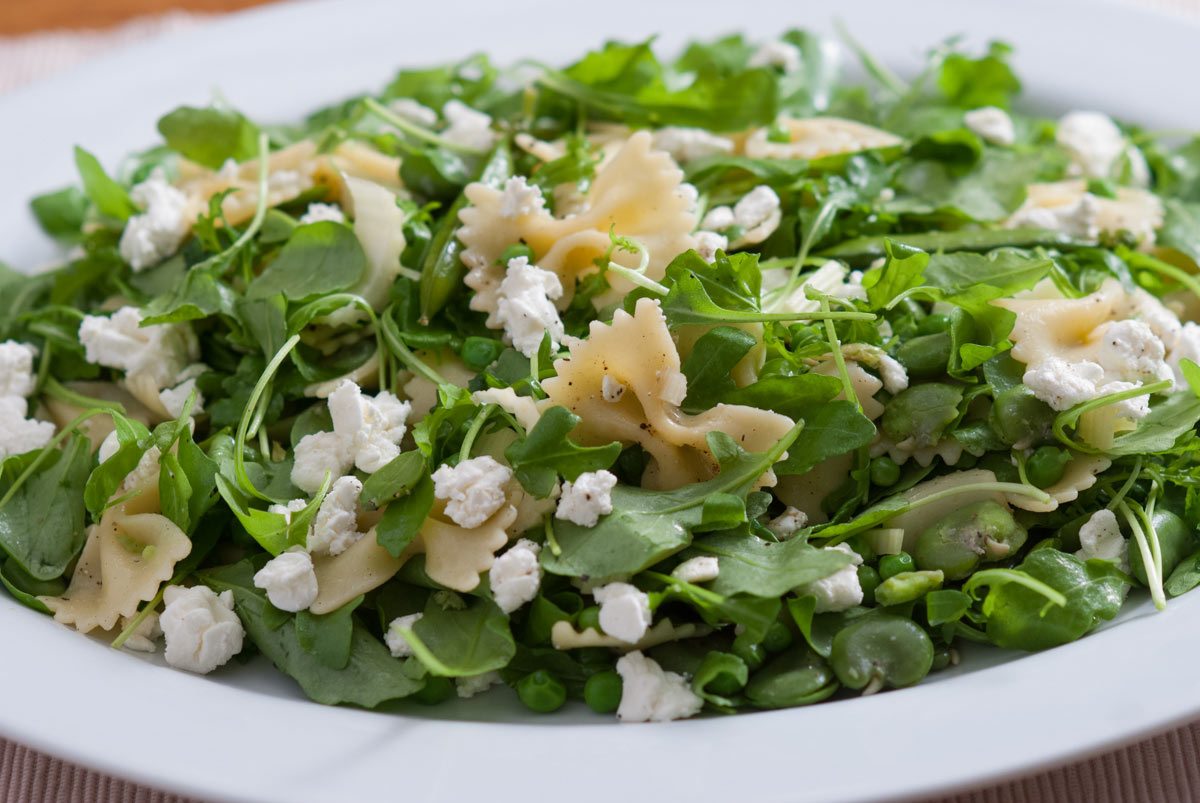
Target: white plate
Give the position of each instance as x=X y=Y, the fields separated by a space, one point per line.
x=246 y=733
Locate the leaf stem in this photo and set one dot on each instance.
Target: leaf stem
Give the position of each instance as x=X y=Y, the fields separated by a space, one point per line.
x=255 y=412
x=46 y=451
x=415 y=131
x=997 y=577
x=481 y=418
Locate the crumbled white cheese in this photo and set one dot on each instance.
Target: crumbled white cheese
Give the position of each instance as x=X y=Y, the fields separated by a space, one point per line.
x=1131 y=350
x=158 y=231
x=1100 y=539
x=161 y=352
x=395 y=641
x=1080 y=218
x=471 y=685
x=700 y=569
x=473 y=489
x=520 y=198
x=414 y=112
x=624 y=611
x=287 y=511
x=19 y=434
x=840 y=590
x=777 y=53
x=788 y=523
x=708 y=243
x=372 y=428
x=718 y=219
x=1062 y=384
x=516 y=576
x=323 y=213
x=467 y=127
x=1093 y=142
x=992 y=124
x=16 y=369
x=611 y=390
x=758 y=214
x=687 y=144
x=175 y=398
x=525 y=307
x=145 y=637
x=289 y=580
x=586 y=499
x=1187 y=347
x=335 y=527
x=366 y=433
x=1165 y=324
x=201 y=629
x=649 y=694
x=286 y=184
x=316 y=455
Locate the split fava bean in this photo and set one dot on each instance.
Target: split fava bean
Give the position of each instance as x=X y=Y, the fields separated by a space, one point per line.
x=956 y=545
x=907 y=586
x=920 y=413
x=795 y=677
x=881 y=651
x=1021 y=419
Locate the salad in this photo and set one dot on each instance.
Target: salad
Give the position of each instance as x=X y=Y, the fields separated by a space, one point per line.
x=712 y=384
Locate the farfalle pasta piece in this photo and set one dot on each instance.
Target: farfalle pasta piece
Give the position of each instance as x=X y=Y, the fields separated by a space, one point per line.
x=563 y=636
x=1078 y=475
x=949 y=449
x=865 y=385
x=291 y=172
x=635 y=195
x=637 y=352
x=815 y=137
x=806 y=491
x=127 y=556
x=456 y=556
x=362 y=567
x=1069 y=206
x=98 y=427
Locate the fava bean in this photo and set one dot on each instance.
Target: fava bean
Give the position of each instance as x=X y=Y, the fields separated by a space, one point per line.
x=956 y=545
x=926 y=356
x=878 y=651
x=907 y=586
x=796 y=677
x=920 y=413
x=1046 y=465
x=1021 y=419
x=542 y=692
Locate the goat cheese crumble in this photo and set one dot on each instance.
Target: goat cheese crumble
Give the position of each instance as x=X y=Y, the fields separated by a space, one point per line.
x=525 y=308
x=473 y=489
x=689 y=144
x=991 y=124
x=201 y=630
x=700 y=569
x=586 y=499
x=1100 y=539
x=624 y=611
x=395 y=641
x=516 y=576
x=650 y=694
x=335 y=527
x=520 y=198
x=840 y=590
x=289 y=580
x=157 y=232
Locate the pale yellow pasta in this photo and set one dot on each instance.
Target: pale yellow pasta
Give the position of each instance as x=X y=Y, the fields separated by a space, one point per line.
x=421 y=392
x=456 y=556
x=865 y=385
x=806 y=491
x=949 y=449
x=128 y=555
x=530 y=510
x=1132 y=210
x=815 y=137
x=523 y=408
x=635 y=195
x=637 y=351
x=362 y=567
x=98 y=427
x=1078 y=475
x=565 y=637
x=379 y=227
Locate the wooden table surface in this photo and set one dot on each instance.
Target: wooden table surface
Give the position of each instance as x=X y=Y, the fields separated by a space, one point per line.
x=26 y=16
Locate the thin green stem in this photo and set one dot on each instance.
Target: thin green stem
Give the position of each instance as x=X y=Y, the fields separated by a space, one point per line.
x=481 y=418
x=1154 y=580
x=997 y=577
x=256 y=409
x=415 y=131
x=839 y=360
x=391 y=334
x=44 y=454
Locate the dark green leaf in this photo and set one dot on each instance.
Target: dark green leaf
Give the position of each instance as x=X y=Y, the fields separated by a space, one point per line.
x=455 y=642
x=109 y=197
x=321 y=258
x=404 y=516
x=209 y=136
x=547 y=451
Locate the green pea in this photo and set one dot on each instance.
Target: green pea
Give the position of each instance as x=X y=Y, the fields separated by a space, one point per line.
x=926 y=356
x=880 y=651
x=436 y=690
x=941 y=659
x=752 y=653
x=1175 y=541
x=983 y=531
x=602 y=692
x=1046 y=465
x=588 y=617
x=796 y=677
x=779 y=637
x=868 y=580
x=1021 y=419
x=480 y=352
x=933 y=323
x=920 y=413
x=884 y=472
x=907 y=586
x=515 y=251
x=892 y=565
x=541 y=692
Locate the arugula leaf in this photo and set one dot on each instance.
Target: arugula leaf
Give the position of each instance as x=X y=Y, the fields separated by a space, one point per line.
x=370 y=677
x=647 y=526
x=455 y=642
x=1181 y=228
x=403 y=517
x=1019 y=618
x=547 y=451
x=133 y=440
x=395 y=479
x=42 y=525
x=199 y=294
x=864 y=250
x=109 y=197
x=328 y=636
x=834 y=428
x=903 y=270
x=719 y=670
x=708 y=365
x=1007 y=269
x=61 y=213
x=750 y=565
x=319 y=259
x=793 y=396
x=209 y=136
x=986 y=81
x=1169 y=419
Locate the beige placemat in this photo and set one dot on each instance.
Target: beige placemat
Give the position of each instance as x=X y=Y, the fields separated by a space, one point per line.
x=1164 y=769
